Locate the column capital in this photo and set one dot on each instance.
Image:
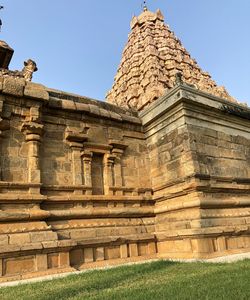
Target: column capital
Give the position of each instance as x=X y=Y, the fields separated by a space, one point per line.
x=109 y=159
x=87 y=155
x=32 y=130
x=75 y=137
x=118 y=144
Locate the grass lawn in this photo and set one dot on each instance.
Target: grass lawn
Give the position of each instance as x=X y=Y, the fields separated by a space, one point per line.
x=156 y=280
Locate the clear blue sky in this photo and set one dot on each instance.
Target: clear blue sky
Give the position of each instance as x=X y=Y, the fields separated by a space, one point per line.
x=77 y=44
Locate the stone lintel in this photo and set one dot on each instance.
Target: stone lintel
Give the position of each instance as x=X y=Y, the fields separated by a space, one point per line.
x=97 y=147
x=118 y=144
x=76 y=137
x=14 y=86
x=36 y=91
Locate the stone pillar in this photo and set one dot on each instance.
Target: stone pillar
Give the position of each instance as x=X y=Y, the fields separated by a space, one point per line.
x=4 y=125
x=87 y=160
x=118 y=167
x=33 y=132
x=118 y=147
x=108 y=173
x=77 y=166
x=75 y=137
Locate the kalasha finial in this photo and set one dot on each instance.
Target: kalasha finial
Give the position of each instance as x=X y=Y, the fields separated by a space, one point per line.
x=145 y=5
x=1 y=7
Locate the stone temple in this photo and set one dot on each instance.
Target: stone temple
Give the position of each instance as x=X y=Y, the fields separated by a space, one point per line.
x=159 y=170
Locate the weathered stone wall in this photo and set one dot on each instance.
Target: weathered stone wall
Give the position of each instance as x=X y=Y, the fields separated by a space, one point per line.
x=85 y=183
x=200 y=175
x=14 y=153
x=75 y=187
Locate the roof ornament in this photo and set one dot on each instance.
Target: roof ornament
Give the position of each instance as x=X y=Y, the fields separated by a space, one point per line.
x=178 y=78
x=145 y=8
x=1 y=7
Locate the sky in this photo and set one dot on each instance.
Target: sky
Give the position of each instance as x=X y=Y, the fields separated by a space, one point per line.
x=77 y=44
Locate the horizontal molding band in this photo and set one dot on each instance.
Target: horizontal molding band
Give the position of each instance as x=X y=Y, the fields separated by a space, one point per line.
x=102 y=212
x=117 y=239
x=19 y=215
x=98 y=198
x=203 y=232
x=36 y=248
x=190 y=179
x=203 y=203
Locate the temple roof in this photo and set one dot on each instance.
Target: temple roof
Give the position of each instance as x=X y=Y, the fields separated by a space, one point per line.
x=150 y=61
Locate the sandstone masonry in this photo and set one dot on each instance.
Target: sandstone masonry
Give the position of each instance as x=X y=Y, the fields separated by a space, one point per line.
x=85 y=183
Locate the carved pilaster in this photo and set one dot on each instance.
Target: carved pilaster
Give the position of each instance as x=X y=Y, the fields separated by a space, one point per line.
x=117 y=152
x=75 y=137
x=108 y=177
x=77 y=166
x=4 y=125
x=118 y=167
x=87 y=160
x=33 y=132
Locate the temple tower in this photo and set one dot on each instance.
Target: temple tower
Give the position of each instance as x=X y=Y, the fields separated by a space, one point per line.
x=151 y=59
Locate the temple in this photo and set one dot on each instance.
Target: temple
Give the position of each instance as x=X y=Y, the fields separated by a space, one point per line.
x=159 y=170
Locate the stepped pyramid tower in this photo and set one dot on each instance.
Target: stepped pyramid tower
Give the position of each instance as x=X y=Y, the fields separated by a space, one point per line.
x=150 y=61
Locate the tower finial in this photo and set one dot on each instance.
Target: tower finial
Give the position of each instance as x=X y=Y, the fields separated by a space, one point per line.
x=145 y=5
x=1 y=7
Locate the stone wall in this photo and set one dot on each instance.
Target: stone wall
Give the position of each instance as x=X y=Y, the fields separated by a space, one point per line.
x=75 y=189
x=200 y=167
x=85 y=183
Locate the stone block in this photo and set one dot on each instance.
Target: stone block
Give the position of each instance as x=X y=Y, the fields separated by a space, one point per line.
x=22 y=265
x=63 y=259
x=19 y=239
x=41 y=262
x=124 y=251
x=142 y=249
x=49 y=244
x=231 y=243
x=240 y=242
x=82 y=234
x=133 y=250
x=43 y=236
x=4 y=239
x=35 y=90
x=247 y=241
x=76 y=257
x=112 y=252
x=99 y=254
x=13 y=86
x=88 y=255
x=32 y=246
x=53 y=260
x=221 y=243
x=151 y=248
x=202 y=245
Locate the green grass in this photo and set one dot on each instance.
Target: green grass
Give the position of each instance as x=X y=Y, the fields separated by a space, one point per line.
x=156 y=280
